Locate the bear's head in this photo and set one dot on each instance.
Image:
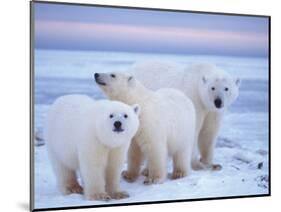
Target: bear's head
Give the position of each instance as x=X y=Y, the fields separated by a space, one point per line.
x=116 y=85
x=218 y=93
x=117 y=123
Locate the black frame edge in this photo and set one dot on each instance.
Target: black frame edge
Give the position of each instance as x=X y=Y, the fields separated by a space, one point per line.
x=31 y=101
x=269 y=105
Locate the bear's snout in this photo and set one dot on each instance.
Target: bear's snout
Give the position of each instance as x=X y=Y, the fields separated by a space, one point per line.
x=118 y=126
x=99 y=80
x=218 y=103
x=96 y=76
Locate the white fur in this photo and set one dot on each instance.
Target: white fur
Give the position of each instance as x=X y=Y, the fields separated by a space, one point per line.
x=80 y=136
x=196 y=81
x=167 y=127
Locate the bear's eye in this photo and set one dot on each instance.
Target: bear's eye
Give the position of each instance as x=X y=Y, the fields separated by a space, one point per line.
x=112 y=75
x=111 y=116
x=125 y=116
x=213 y=88
x=226 y=89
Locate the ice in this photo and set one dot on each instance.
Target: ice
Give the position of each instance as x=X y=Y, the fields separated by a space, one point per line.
x=242 y=147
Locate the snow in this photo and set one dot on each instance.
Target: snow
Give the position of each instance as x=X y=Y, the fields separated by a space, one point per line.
x=237 y=178
x=242 y=147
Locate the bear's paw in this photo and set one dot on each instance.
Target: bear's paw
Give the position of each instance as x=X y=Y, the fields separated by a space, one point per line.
x=98 y=196
x=129 y=177
x=119 y=195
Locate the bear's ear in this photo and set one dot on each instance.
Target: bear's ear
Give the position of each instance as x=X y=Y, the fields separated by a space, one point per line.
x=131 y=80
x=136 y=109
x=204 y=79
x=237 y=82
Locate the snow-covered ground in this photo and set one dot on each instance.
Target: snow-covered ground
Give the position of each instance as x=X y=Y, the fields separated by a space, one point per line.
x=242 y=147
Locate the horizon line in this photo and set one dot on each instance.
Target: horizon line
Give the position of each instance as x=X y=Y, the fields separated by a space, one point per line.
x=153 y=52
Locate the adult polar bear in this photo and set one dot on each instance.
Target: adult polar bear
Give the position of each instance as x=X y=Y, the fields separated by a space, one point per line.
x=210 y=88
x=167 y=126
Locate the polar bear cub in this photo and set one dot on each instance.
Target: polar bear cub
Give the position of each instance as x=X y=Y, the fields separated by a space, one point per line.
x=92 y=137
x=167 y=127
x=211 y=89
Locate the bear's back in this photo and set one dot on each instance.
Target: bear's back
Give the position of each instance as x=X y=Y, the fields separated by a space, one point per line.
x=156 y=74
x=176 y=106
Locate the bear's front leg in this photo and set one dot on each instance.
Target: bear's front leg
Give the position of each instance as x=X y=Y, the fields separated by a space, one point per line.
x=93 y=162
x=113 y=173
x=182 y=163
x=196 y=164
x=207 y=139
x=135 y=159
x=66 y=178
x=156 y=163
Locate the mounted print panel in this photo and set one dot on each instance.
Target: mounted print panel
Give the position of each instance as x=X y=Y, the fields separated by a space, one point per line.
x=138 y=105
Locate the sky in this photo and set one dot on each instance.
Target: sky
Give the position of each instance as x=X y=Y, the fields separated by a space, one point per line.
x=75 y=27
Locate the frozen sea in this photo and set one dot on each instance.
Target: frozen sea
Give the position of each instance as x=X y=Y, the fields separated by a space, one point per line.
x=242 y=146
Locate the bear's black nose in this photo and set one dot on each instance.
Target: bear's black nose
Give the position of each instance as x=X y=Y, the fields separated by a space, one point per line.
x=96 y=75
x=218 y=103
x=117 y=124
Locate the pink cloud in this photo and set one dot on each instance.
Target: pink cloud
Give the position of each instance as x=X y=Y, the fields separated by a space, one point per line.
x=151 y=35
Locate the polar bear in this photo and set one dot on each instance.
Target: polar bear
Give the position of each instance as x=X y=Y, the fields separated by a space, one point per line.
x=210 y=88
x=92 y=137
x=167 y=127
